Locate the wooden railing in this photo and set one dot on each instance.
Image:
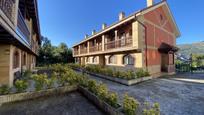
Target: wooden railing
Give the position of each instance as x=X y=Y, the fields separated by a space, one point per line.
x=126 y=42
x=83 y=51
x=8 y=7
x=23 y=28
x=95 y=48
x=76 y=52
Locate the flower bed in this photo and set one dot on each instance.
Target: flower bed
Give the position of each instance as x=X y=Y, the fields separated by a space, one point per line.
x=121 y=81
x=128 y=78
x=99 y=103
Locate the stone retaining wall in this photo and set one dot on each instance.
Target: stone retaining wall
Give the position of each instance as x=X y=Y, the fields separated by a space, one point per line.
x=31 y=95
x=99 y=103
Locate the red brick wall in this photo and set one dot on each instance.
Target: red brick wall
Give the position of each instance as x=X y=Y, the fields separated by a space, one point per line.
x=158 y=30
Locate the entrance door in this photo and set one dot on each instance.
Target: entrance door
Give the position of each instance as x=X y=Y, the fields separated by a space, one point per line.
x=164 y=62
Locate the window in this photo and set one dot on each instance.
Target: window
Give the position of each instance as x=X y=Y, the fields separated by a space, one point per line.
x=128 y=60
x=16 y=60
x=112 y=59
x=94 y=59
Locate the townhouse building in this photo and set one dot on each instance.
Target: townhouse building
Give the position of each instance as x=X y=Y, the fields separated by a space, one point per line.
x=19 y=38
x=146 y=39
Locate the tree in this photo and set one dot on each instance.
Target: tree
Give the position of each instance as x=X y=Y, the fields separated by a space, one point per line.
x=49 y=54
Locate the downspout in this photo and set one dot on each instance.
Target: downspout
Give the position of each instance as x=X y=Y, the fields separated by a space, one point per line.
x=146 y=61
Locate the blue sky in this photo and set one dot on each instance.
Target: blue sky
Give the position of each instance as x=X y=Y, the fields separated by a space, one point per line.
x=69 y=20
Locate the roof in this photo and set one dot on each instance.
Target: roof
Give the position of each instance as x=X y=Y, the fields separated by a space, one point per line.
x=166 y=48
x=127 y=19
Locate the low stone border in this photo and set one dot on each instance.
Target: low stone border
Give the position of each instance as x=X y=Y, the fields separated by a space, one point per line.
x=99 y=103
x=31 y=95
x=121 y=81
x=118 y=80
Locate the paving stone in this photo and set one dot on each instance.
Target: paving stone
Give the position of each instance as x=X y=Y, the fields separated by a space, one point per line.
x=68 y=104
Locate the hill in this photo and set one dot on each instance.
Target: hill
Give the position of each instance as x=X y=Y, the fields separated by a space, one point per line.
x=195 y=48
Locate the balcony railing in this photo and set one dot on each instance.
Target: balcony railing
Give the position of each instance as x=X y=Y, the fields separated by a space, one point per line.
x=95 y=48
x=8 y=6
x=76 y=52
x=22 y=27
x=126 y=42
x=83 y=51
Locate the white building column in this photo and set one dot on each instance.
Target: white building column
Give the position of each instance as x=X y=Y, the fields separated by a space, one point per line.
x=79 y=51
x=103 y=42
x=88 y=46
x=116 y=34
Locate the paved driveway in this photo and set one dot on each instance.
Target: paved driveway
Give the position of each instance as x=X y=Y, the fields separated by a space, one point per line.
x=177 y=95
x=67 y=104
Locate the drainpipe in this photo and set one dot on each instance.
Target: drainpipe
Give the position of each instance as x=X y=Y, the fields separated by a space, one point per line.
x=145 y=40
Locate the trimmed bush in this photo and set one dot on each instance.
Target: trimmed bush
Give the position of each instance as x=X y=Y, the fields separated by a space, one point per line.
x=50 y=82
x=112 y=99
x=40 y=81
x=21 y=86
x=27 y=74
x=102 y=91
x=154 y=110
x=130 y=74
x=4 y=89
x=92 y=86
x=130 y=105
x=142 y=73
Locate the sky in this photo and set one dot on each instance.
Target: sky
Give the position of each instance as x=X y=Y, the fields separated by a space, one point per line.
x=69 y=20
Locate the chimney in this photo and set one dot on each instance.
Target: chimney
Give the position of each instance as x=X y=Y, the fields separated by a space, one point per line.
x=121 y=16
x=93 y=32
x=150 y=3
x=104 y=25
x=86 y=36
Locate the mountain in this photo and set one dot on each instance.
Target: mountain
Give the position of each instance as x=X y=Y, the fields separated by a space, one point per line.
x=195 y=48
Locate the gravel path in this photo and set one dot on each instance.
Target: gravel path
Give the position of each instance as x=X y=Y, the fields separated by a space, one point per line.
x=178 y=95
x=68 y=104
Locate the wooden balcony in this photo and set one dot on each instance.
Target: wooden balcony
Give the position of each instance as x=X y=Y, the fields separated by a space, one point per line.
x=95 y=48
x=22 y=28
x=119 y=43
x=83 y=51
x=76 y=52
x=8 y=8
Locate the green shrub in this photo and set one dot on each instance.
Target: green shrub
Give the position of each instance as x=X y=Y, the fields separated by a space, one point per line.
x=112 y=99
x=102 y=91
x=74 y=65
x=21 y=85
x=59 y=68
x=92 y=86
x=50 y=82
x=142 y=73
x=4 y=89
x=40 y=81
x=68 y=77
x=130 y=74
x=109 y=72
x=130 y=105
x=27 y=74
x=154 y=110
x=82 y=80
